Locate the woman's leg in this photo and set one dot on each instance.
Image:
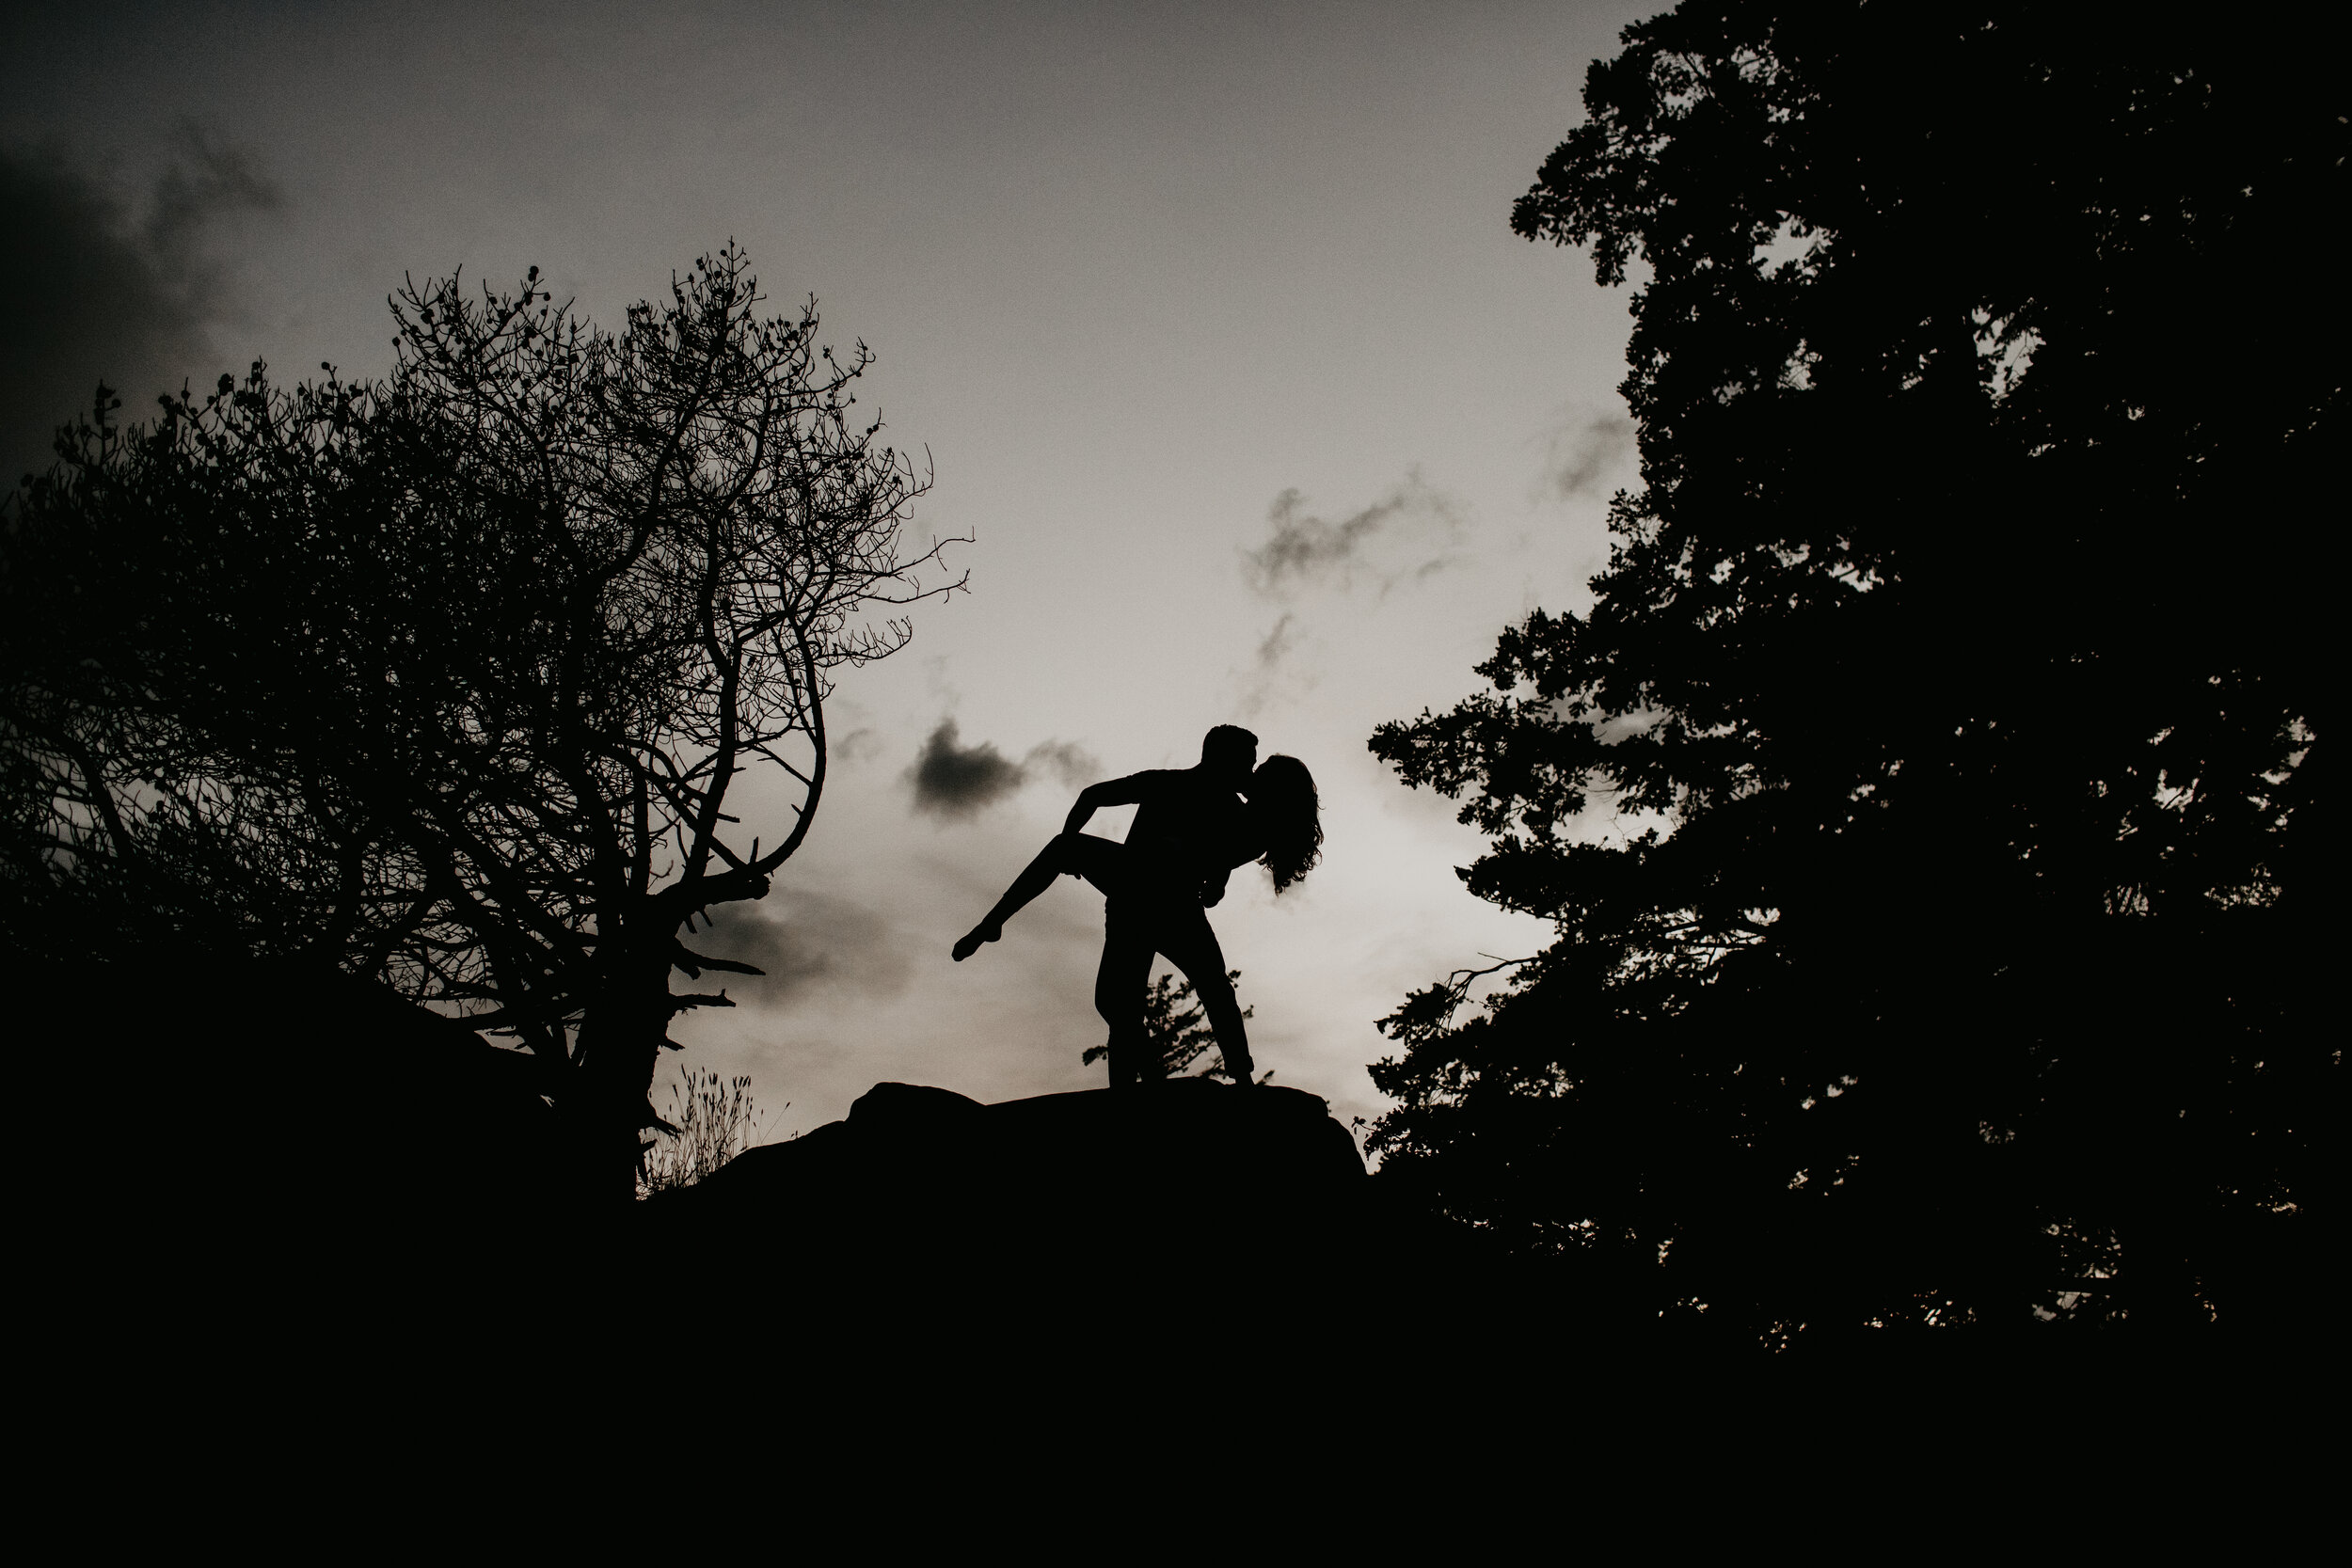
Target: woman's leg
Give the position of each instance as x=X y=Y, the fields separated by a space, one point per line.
x=1077 y=854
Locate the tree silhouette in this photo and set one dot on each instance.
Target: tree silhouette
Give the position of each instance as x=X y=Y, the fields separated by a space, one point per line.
x=1924 y=807
x=1175 y=1024
x=447 y=681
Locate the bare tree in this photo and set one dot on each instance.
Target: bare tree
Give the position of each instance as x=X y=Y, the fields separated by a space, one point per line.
x=726 y=532
x=473 y=661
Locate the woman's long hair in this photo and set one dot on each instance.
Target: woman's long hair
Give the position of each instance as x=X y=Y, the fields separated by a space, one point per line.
x=1283 y=792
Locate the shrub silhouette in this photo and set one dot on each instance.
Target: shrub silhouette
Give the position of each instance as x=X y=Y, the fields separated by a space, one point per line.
x=1177 y=1026
x=711 y=1120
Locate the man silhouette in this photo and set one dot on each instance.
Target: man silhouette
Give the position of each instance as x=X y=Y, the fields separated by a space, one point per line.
x=1190 y=824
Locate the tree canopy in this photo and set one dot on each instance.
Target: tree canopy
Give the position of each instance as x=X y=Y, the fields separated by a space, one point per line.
x=1924 y=806
x=445 y=681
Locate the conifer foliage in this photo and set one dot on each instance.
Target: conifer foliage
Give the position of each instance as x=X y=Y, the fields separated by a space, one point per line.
x=1925 y=805
x=1177 y=1026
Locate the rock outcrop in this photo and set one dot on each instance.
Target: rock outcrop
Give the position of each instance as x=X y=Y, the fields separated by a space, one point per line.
x=1189 y=1179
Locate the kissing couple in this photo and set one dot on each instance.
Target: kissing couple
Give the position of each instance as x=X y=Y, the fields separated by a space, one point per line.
x=1193 y=827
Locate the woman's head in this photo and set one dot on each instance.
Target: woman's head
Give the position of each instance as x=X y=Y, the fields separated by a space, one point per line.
x=1283 y=792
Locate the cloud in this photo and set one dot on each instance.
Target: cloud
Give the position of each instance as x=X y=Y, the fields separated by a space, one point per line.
x=1267 y=673
x=205 y=178
x=954 y=782
x=858 y=745
x=93 y=291
x=1072 y=765
x=1302 y=548
x=1583 y=457
x=806 y=941
x=1279 y=642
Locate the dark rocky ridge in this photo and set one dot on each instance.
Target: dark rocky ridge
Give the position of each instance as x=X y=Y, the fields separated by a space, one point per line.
x=279 y=1149
x=1190 y=1177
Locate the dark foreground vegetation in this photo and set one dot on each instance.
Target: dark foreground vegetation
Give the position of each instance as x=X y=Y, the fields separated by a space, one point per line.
x=1928 y=804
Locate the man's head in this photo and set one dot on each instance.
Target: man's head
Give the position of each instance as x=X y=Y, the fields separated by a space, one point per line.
x=1230 y=752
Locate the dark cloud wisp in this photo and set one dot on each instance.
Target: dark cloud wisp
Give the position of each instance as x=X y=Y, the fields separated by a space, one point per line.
x=1072 y=765
x=1277 y=643
x=1584 y=456
x=1301 y=548
x=805 y=941
x=90 y=292
x=955 y=780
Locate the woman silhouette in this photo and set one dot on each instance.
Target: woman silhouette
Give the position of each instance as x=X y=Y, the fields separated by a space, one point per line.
x=1190 y=832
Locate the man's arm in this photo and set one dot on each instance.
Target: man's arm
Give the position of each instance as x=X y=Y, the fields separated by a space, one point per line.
x=1113 y=792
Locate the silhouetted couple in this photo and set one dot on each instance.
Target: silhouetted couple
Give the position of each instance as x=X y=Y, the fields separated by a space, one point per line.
x=1193 y=827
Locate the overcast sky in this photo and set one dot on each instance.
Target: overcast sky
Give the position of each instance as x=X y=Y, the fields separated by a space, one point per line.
x=1210 y=318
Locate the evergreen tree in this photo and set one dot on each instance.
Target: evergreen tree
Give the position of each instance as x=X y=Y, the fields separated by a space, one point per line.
x=1925 y=803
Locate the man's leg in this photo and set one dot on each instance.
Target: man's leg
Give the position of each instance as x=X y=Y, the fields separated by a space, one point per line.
x=1191 y=945
x=1118 y=988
